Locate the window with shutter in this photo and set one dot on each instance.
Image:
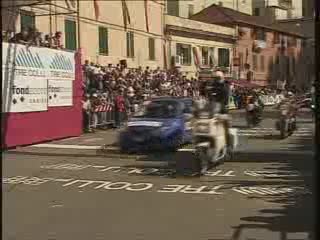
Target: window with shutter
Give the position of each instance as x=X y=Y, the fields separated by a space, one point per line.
x=103 y=41
x=173 y=7
x=152 y=49
x=211 y=56
x=223 y=57
x=70 y=34
x=262 y=64
x=27 y=20
x=276 y=38
x=241 y=61
x=184 y=51
x=205 y=55
x=255 y=62
x=256 y=12
x=130 y=44
x=191 y=10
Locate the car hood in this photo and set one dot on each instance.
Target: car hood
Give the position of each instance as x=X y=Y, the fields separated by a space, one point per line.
x=151 y=122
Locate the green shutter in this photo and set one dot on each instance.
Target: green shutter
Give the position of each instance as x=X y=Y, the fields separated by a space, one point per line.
x=70 y=35
x=103 y=41
x=151 y=49
x=130 y=44
x=27 y=20
x=178 y=49
x=223 y=57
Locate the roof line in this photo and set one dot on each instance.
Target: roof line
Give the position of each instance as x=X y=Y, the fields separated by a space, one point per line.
x=235 y=21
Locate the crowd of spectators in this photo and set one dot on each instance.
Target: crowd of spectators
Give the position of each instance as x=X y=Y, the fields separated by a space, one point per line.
x=32 y=37
x=240 y=94
x=124 y=89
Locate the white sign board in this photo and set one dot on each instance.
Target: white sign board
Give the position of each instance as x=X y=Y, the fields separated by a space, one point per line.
x=59 y=93
x=25 y=75
x=24 y=94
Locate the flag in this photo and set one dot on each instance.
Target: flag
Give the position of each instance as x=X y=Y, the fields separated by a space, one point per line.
x=125 y=12
x=146 y=14
x=96 y=9
x=196 y=56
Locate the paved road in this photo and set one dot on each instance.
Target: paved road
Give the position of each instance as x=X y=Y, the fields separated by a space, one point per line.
x=261 y=194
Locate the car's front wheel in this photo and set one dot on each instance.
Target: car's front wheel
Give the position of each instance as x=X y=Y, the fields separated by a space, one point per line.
x=175 y=142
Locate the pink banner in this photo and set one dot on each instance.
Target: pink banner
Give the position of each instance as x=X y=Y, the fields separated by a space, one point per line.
x=20 y=129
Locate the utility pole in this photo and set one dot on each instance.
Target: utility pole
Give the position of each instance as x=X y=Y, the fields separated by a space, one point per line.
x=78 y=20
x=317 y=80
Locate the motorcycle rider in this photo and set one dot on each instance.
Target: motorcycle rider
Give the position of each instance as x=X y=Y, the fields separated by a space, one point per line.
x=289 y=106
x=255 y=106
x=216 y=91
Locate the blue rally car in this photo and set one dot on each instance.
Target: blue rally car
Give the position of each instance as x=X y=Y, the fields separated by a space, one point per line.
x=165 y=124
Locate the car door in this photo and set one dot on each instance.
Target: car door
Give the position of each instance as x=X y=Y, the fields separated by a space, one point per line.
x=187 y=115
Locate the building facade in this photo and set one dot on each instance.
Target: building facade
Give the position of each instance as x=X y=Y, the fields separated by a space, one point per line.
x=104 y=38
x=185 y=9
x=298 y=16
x=264 y=54
x=278 y=9
x=192 y=44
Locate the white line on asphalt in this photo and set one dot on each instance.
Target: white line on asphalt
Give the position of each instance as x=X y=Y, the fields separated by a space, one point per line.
x=179 y=150
x=92 y=139
x=98 y=166
x=67 y=146
x=68 y=139
x=62 y=180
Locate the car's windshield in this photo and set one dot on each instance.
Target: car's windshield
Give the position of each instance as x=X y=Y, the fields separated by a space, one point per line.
x=187 y=106
x=161 y=109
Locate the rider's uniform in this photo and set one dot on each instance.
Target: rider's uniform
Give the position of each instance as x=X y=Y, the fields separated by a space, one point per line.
x=217 y=93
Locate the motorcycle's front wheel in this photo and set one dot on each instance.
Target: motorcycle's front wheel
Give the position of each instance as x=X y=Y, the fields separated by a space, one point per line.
x=202 y=159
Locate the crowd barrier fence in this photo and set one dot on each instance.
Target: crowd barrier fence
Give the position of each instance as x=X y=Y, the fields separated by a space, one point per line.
x=102 y=116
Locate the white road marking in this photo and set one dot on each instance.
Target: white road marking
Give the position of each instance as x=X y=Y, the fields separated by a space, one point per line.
x=98 y=166
x=142 y=186
x=67 y=146
x=92 y=139
x=68 y=139
x=262 y=190
x=62 y=180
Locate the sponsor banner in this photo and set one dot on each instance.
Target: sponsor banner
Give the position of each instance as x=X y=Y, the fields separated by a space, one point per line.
x=59 y=93
x=55 y=64
x=24 y=94
x=268 y=100
x=25 y=75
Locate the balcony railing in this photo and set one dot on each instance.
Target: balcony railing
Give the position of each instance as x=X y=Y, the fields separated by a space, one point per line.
x=283 y=4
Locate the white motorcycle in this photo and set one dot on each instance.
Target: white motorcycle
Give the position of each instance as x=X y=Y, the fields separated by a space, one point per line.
x=212 y=144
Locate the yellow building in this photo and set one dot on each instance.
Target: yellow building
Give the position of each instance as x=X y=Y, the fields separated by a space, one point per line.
x=104 y=39
x=172 y=38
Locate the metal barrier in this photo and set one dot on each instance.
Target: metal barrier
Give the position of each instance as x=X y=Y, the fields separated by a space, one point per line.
x=102 y=116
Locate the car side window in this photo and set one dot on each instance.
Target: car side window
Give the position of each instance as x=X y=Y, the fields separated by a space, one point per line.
x=187 y=108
